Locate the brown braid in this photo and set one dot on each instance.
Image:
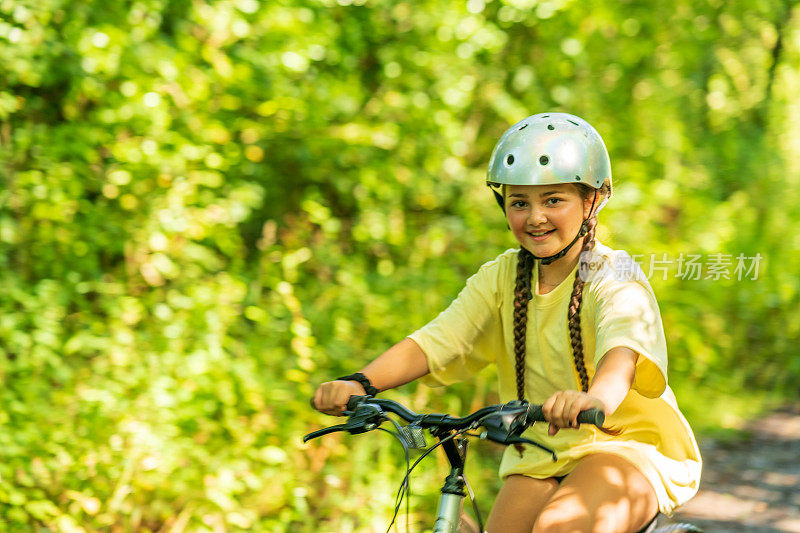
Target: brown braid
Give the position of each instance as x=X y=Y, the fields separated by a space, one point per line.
x=574 y=312
x=522 y=296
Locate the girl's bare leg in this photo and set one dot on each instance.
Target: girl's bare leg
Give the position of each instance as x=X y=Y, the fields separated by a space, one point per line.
x=604 y=494
x=518 y=504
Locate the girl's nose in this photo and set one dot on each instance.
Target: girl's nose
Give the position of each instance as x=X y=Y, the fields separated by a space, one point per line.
x=536 y=217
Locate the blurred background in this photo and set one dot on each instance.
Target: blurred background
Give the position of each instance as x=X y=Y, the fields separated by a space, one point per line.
x=208 y=208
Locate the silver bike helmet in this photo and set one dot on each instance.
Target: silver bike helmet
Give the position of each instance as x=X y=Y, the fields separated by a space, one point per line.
x=549 y=148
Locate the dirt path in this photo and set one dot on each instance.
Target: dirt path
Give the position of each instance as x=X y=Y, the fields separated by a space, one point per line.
x=753 y=484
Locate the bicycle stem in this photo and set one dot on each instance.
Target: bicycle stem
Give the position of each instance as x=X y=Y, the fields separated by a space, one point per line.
x=453 y=491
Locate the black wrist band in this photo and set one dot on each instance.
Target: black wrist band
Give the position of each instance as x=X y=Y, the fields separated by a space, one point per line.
x=362 y=379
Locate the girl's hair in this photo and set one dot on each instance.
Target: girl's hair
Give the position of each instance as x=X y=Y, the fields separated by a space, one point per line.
x=523 y=295
x=574 y=310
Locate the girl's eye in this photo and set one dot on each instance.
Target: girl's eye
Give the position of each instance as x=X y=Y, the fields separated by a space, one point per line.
x=518 y=204
x=552 y=201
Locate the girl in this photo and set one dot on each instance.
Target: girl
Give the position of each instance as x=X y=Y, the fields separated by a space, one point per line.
x=567 y=328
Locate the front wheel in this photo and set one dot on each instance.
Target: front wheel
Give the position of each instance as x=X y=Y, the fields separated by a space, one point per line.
x=678 y=528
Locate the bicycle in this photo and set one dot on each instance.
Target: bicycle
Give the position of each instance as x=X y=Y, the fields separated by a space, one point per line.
x=501 y=423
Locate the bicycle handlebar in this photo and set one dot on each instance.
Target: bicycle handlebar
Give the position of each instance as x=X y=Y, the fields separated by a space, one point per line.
x=504 y=423
x=533 y=413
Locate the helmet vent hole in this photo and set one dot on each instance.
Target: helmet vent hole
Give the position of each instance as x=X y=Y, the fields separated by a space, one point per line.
x=544 y=160
x=577 y=178
x=509 y=159
x=522 y=127
x=550 y=127
x=545 y=116
x=568 y=120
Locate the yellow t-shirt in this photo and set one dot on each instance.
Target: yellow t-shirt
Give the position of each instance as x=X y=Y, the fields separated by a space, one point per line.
x=477 y=329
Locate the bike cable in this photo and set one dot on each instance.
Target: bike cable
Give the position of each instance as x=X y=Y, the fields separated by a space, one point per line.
x=401 y=492
x=474 y=504
x=405 y=486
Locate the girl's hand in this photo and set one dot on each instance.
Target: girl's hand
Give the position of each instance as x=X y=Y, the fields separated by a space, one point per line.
x=562 y=408
x=331 y=397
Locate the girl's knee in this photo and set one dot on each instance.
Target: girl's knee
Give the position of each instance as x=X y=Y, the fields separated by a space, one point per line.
x=518 y=504
x=572 y=515
x=563 y=516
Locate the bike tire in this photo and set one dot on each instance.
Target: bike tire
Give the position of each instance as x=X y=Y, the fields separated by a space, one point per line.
x=678 y=528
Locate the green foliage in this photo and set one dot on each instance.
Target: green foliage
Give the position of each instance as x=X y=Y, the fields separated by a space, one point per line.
x=207 y=208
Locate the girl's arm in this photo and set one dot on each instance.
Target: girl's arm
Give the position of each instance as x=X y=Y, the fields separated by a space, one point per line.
x=612 y=380
x=400 y=364
x=613 y=377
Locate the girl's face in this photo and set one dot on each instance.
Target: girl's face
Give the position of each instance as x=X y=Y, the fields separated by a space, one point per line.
x=545 y=218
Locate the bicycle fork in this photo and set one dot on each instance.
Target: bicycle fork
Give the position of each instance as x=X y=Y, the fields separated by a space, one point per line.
x=453 y=491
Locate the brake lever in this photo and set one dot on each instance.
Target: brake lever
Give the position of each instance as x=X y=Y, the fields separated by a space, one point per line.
x=503 y=437
x=325 y=431
x=506 y=426
x=366 y=417
x=513 y=439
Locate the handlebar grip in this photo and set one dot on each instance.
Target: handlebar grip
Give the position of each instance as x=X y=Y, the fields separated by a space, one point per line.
x=592 y=416
x=535 y=413
x=353 y=402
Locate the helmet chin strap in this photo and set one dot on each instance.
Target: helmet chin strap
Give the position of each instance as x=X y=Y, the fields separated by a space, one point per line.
x=584 y=229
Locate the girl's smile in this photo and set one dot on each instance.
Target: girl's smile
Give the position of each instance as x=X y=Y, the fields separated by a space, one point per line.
x=540 y=236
